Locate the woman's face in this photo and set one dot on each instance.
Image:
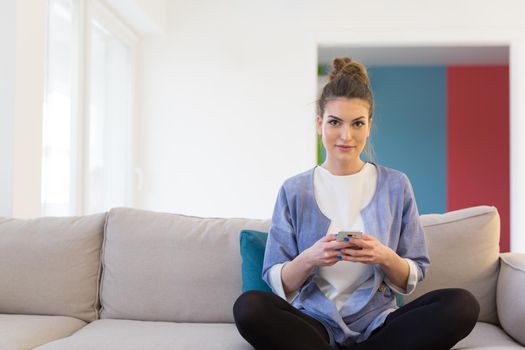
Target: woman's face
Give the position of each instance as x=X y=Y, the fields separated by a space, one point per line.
x=345 y=123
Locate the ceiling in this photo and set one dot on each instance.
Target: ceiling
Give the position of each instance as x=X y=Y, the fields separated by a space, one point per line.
x=418 y=55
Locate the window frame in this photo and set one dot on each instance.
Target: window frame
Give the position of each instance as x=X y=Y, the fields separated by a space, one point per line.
x=96 y=9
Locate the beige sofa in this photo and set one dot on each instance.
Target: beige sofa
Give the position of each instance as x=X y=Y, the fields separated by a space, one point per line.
x=135 y=279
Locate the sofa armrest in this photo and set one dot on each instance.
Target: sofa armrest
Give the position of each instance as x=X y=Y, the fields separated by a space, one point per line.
x=509 y=295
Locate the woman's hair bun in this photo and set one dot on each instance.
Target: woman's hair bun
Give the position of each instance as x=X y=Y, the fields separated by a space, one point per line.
x=345 y=66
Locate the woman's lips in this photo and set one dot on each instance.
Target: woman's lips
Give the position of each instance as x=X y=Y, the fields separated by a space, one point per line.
x=345 y=148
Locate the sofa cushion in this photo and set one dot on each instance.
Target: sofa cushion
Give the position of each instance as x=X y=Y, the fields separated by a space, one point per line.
x=463 y=246
x=21 y=332
x=51 y=265
x=139 y=335
x=171 y=267
x=486 y=336
x=511 y=308
x=253 y=244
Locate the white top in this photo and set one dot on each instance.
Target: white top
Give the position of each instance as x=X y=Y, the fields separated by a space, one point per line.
x=341 y=199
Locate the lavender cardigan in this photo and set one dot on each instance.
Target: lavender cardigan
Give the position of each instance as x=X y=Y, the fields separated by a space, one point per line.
x=391 y=216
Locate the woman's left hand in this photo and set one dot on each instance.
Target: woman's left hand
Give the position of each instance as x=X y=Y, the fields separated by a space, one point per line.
x=369 y=251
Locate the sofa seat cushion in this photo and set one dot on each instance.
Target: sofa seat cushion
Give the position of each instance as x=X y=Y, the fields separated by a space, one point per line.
x=19 y=332
x=130 y=335
x=126 y=334
x=486 y=336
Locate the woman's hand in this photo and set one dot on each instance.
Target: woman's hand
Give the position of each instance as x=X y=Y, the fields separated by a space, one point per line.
x=324 y=252
x=370 y=251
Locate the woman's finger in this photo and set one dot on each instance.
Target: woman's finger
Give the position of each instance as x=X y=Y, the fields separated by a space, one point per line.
x=359 y=242
x=358 y=259
x=337 y=245
x=359 y=253
x=329 y=237
x=367 y=237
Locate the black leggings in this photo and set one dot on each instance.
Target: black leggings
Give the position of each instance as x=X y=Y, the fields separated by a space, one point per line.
x=434 y=321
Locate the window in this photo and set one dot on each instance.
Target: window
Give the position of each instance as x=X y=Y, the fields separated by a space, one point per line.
x=88 y=114
x=57 y=185
x=108 y=173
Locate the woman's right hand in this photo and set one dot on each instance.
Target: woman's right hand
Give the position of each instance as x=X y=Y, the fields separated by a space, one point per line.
x=323 y=252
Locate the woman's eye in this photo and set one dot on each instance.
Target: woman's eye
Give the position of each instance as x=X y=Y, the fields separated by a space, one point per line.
x=359 y=124
x=335 y=122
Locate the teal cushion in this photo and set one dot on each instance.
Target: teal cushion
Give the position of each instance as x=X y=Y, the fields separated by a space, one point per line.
x=400 y=301
x=252 y=245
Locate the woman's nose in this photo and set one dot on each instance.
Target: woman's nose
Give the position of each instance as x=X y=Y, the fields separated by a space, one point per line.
x=346 y=133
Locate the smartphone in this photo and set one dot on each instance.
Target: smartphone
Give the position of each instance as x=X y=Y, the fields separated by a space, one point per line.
x=354 y=234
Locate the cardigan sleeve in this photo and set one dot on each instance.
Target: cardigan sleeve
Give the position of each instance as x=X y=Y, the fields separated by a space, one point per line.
x=412 y=243
x=281 y=245
x=411 y=281
x=277 y=283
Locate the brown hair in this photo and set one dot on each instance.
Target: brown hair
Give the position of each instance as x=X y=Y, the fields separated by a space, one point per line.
x=348 y=78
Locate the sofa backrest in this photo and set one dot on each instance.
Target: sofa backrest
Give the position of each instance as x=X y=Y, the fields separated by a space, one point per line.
x=51 y=265
x=171 y=267
x=463 y=247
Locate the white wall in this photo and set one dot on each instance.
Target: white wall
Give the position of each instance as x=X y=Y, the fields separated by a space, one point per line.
x=226 y=95
x=22 y=82
x=146 y=17
x=7 y=84
x=155 y=10
x=225 y=110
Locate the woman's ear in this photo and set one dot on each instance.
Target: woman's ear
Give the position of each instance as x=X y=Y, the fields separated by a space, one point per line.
x=318 y=125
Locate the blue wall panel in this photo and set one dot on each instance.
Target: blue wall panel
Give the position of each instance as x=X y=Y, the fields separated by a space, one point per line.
x=410 y=128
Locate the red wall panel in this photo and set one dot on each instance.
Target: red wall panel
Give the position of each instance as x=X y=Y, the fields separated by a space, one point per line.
x=478 y=140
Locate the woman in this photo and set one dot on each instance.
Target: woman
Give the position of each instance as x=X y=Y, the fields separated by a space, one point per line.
x=337 y=294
